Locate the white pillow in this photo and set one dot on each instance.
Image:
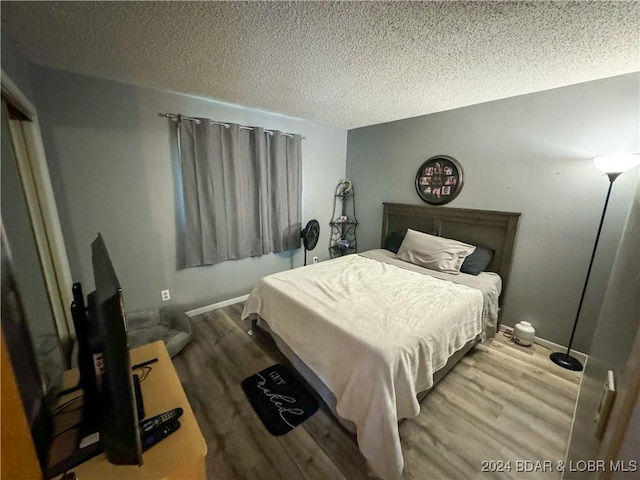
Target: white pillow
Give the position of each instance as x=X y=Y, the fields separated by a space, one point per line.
x=436 y=253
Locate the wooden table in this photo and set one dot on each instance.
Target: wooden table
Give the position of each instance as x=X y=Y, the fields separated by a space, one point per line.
x=180 y=456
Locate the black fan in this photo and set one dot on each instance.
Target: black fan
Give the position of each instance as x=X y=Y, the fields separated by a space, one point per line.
x=310 y=235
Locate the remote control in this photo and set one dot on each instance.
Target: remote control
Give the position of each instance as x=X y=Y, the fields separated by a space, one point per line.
x=153 y=423
x=150 y=439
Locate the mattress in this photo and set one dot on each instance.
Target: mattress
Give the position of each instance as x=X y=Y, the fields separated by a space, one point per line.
x=489 y=284
x=374 y=332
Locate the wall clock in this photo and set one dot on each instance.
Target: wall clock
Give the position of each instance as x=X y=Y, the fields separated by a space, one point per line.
x=439 y=180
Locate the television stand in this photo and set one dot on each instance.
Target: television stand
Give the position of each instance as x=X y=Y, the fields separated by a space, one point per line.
x=179 y=456
x=88 y=428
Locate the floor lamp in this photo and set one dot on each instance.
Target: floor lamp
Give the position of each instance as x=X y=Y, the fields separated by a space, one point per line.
x=613 y=166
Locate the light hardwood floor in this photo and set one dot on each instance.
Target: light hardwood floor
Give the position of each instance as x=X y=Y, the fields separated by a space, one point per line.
x=501 y=403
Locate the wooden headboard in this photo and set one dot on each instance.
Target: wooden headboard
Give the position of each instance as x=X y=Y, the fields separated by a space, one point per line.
x=486 y=228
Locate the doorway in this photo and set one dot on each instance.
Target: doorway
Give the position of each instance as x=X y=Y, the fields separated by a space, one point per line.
x=32 y=227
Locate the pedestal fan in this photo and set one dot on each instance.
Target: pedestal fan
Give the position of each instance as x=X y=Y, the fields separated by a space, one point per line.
x=310 y=234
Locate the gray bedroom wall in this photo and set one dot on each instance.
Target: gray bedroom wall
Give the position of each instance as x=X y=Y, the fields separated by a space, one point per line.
x=15 y=65
x=530 y=154
x=618 y=325
x=113 y=163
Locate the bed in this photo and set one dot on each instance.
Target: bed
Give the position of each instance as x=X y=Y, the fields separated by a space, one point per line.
x=372 y=333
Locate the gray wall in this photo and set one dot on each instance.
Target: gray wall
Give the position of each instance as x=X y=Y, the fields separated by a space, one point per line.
x=530 y=154
x=15 y=65
x=617 y=327
x=113 y=167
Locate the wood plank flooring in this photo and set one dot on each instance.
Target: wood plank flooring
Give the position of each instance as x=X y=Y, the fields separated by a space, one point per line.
x=501 y=403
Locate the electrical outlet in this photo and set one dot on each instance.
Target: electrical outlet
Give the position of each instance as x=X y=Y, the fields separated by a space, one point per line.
x=165 y=295
x=604 y=407
x=315 y=259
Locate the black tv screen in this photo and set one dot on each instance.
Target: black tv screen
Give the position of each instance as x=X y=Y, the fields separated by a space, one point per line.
x=24 y=362
x=119 y=433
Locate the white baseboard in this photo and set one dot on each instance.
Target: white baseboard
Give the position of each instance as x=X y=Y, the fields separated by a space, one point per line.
x=551 y=345
x=216 y=306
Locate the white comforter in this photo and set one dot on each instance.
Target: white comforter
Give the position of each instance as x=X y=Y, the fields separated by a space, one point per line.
x=374 y=333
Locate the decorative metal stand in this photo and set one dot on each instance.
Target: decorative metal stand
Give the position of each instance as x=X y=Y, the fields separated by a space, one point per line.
x=343 y=223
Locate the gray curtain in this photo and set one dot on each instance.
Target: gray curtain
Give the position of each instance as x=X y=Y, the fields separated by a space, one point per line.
x=242 y=191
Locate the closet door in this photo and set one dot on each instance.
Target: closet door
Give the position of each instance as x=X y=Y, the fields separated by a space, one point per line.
x=24 y=148
x=28 y=323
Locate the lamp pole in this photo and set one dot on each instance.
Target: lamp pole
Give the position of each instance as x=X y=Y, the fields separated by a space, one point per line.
x=564 y=359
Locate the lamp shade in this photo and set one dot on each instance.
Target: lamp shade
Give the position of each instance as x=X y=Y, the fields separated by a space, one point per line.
x=616 y=163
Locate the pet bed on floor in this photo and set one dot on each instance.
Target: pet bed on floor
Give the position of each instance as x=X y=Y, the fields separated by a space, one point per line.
x=169 y=324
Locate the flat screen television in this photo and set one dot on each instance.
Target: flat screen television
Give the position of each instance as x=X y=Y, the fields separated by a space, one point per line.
x=119 y=432
x=110 y=408
x=36 y=400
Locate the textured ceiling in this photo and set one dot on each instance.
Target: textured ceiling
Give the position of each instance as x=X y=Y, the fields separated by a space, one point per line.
x=347 y=64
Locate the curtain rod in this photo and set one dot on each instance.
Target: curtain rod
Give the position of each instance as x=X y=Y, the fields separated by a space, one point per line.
x=175 y=117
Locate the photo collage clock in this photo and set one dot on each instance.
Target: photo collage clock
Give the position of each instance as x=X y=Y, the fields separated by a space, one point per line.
x=439 y=180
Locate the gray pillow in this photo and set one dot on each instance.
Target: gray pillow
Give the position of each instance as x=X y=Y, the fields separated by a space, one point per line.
x=478 y=261
x=394 y=240
x=436 y=253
